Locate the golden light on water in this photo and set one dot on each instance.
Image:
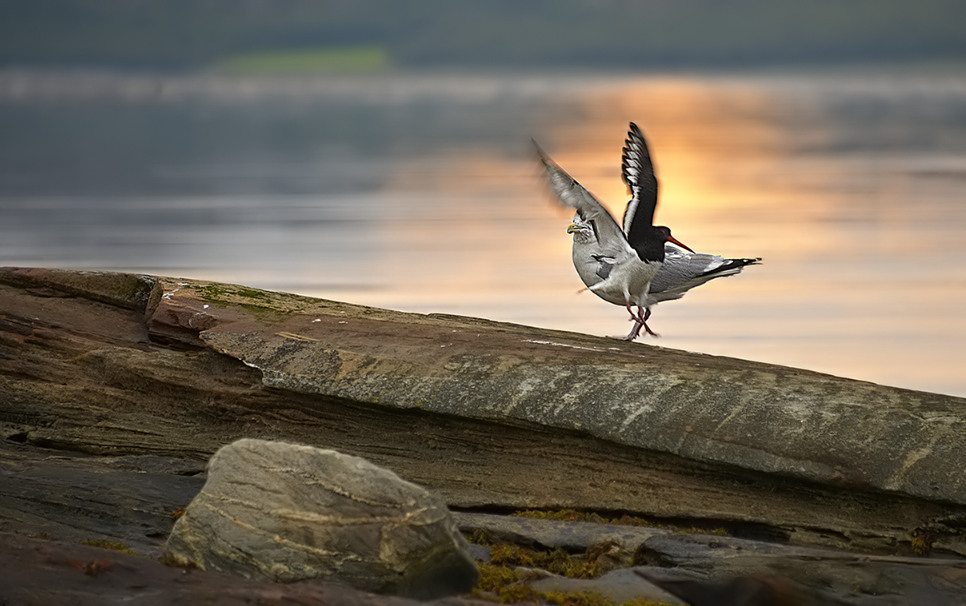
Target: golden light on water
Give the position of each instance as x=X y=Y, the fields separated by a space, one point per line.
x=423 y=194
x=738 y=177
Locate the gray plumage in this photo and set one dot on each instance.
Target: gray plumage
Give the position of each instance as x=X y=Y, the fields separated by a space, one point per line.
x=633 y=263
x=621 y=276
x=680 y=272
x=683 y=271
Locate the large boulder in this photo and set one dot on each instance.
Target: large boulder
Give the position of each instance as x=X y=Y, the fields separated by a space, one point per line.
x=287 y=512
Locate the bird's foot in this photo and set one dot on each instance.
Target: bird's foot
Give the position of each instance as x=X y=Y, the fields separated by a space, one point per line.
x=635 y=331
x=627 y=338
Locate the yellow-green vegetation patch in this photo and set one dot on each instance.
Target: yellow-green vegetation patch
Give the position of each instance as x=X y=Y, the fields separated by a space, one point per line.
x=216 y=292
x=587 y=565
x=493 y=578
x=253 y=299
x=344 y=59
x=251 y=293
x=481 y=536
x=213 y=293
x=120 y=546
x=921 y=540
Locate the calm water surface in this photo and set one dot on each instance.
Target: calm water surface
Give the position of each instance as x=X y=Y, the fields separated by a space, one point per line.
x=420 y=193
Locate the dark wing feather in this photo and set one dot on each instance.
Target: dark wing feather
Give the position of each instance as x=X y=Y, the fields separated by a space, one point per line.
x=637 y=170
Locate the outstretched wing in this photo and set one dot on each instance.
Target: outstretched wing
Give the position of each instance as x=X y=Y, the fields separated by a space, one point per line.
x=637 y=170
x=568 y=192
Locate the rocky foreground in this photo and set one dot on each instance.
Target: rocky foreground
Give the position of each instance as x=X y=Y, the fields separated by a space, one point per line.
x=115 y=390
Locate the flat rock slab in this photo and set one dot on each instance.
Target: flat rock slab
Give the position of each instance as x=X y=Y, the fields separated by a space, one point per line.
x=489 y=416
x=129 y=500
x=721 y=570
x=821 y=576
x=619 y=586
x=556 y=534
x=712 y=409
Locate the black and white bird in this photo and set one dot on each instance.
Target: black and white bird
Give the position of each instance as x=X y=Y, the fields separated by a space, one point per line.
x=680 y=271
x=629 y=257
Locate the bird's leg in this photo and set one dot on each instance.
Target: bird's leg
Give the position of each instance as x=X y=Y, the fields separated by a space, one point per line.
x=634 y=317
x=640 y=315
x=647 y=329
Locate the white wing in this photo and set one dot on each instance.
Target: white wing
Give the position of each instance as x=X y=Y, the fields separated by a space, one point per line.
x=569 y=192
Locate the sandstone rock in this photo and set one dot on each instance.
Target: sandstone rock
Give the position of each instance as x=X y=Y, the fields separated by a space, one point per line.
x=119 y=365
x=286 y=512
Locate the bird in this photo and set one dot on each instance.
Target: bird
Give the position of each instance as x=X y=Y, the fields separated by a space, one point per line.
x=680 y=272
x=629 y=256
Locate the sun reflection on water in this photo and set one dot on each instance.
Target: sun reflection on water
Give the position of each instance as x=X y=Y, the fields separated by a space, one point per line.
x=745 y=170
x=423 y=194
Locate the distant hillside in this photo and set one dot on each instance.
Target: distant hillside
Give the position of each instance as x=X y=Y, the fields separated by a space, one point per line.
x=188 y=34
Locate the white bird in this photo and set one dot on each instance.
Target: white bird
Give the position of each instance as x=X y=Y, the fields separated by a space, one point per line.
x=631 y=259
x=680 y=272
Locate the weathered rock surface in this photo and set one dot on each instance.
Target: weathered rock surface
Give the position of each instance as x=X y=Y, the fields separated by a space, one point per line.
x=115 y=388
x=619 y=586
x=554 y=534
x=287 y=512
x=76 y=497
x=824 y=576
x=709 y=409
x=715 y=570
x=765 y=451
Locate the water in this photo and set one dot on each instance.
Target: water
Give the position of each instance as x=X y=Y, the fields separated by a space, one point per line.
x=421 y=193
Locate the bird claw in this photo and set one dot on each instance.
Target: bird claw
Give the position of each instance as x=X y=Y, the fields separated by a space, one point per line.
x=627 y=338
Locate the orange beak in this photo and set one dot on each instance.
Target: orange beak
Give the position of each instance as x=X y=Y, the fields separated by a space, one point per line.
x=674 y=240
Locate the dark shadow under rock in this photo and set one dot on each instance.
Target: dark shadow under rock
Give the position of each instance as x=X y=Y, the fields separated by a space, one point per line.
x=53 y=573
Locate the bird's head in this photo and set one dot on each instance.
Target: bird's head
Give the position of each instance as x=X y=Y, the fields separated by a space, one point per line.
x=664 y=235
x=582 y=230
